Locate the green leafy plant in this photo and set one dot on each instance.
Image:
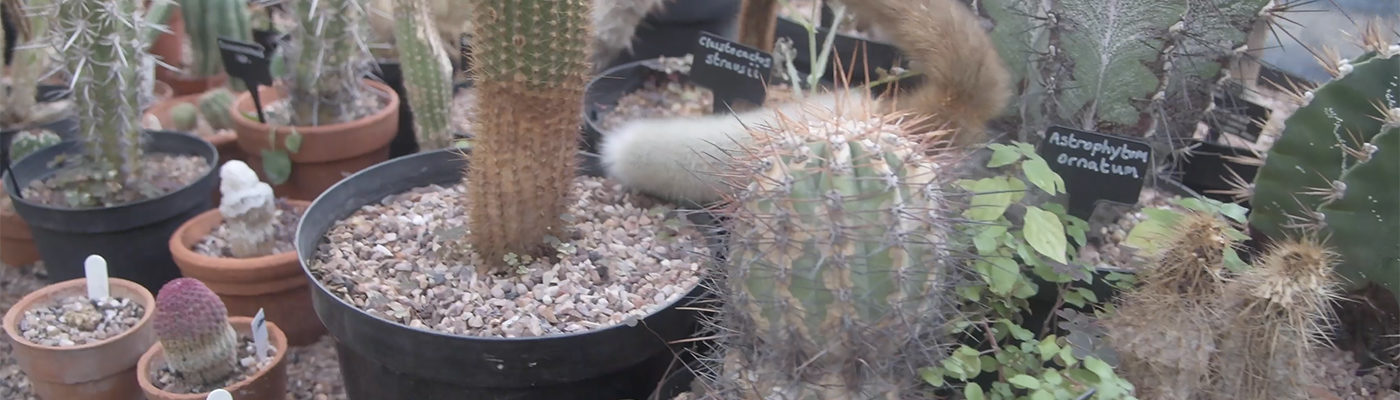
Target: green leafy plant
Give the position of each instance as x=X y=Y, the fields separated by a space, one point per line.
x=277 y=162
x=1018 y=243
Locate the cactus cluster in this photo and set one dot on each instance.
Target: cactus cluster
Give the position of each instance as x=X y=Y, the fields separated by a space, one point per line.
x=328 y=59
x=95 y=41
x=840 y=266
x=249 y=210
x=192 y=326
x=427 y=73
x=1333 y=169
x=530 y=57
x=205 y=22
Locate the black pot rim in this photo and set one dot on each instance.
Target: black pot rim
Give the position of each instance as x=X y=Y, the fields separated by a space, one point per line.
x=10 y=188
x=302 y=259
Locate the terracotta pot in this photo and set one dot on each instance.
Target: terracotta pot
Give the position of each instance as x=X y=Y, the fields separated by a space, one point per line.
x=170 y=48
x=268 y=384
x=161 y=91
x=183 y=85
x=226 y=143
x=102 y=370
x=328 y=153
x=16 y=244
x=273 y=283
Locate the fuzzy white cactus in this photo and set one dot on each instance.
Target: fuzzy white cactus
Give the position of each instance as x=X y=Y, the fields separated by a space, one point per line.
x=249 y=210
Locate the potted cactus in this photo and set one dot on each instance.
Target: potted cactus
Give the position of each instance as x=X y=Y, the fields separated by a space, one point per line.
x=94 y=344
x=121 y=190
x=505 y=245
x=243 y=252
x=338 y=122
x=206 y=115
x=201 y=348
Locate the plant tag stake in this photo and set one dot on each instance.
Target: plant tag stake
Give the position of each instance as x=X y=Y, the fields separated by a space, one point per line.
x=1096 y=166
x=260 y=335
x=219 y=394
x=95 y=270
x=734 y=72
x=247 y=61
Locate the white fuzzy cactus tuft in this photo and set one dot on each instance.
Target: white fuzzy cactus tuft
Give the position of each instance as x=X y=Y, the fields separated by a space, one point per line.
x=249 y=209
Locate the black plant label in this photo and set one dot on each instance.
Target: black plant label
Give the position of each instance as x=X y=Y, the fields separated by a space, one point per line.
x=269 y=39
x=735 y=73
x=246 y=61
x=1096 y=166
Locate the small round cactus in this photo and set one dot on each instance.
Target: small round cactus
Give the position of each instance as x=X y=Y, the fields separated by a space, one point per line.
x=185 y=116
x=192 y=325
x=214 y=105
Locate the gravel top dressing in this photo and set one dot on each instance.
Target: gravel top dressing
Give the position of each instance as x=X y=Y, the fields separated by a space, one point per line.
x=216 y=244
x=402 y=259
x=76 y=321
x=168 y=380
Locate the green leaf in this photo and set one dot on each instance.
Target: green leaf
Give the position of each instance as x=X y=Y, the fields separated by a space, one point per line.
x=973 y=391
x=277 y=166
x=293 y=141
x=1045 y=233
x=1000 y=273
x=990 y=197
x=1073 y=298
x=1098 y=367
x=932 y=376
x=1024 y=381
x=1002 y=155
x=1040 y=174
x=1047 y=348
x=988 y=240
x=1233 y=262
x=1042 y=395
x=1026 y=149
x=1088 y=294
x=1146 y=234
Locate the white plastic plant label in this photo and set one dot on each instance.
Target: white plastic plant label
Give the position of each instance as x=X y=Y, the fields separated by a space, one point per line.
x=219 y=394
x=95 y=270
x=260 y=335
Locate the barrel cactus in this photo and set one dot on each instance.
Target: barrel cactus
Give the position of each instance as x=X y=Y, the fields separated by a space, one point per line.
x=530 y=57
x=427 y=71
x=205 y=22
x=192 y=326
x=839 y=263
x=1333 y=169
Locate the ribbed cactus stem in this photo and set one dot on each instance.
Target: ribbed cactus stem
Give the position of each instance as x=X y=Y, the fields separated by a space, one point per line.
x=214 y=105
x=205 y=22
x=248 y=210
x=427 y=71
x=192 y=326
x=530 y=57
x=98 y=41
x=328 y=59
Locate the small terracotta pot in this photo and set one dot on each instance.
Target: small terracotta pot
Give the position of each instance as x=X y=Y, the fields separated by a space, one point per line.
x=16 y=244
x=328 y=153
x=274 y=283
x=268 y=384
x=102 y=370
x=170 y=47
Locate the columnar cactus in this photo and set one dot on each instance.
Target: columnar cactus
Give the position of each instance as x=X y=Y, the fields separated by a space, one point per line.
x=18 y=106
x=248 y=209
x=192 y=326
x=839 y=262
x=328 y=58
x=205 y=22
x=1334 y=169
x=427 y=71
x=214 y=106
x=96 y=39
x=530 y=57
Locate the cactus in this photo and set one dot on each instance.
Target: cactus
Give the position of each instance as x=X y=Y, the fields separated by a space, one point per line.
x=18 y=106
x=427 y=71
x=96 y=39
x=328 y=59
x=214 y=106
x=838 y=265
x=192 y=325
x=1334 y=167
x=205 y=22
x=531 y=58
x=1277 y=313
x=248 y=210
x=28 y=142
x=185 y=116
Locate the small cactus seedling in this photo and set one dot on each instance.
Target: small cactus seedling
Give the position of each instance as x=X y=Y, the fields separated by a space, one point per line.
x=427 y=73
x=185 y=116
x=214 y=106
x=192 y=325
x=205 y=22
x=248 y=209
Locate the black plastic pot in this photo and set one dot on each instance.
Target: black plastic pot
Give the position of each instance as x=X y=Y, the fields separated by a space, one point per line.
x=381 y=359
x=133 y=238
x=672 y=32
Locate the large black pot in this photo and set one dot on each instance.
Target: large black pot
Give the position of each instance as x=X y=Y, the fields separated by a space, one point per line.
x=133 y=238
x=381 y=359
x=672 y=32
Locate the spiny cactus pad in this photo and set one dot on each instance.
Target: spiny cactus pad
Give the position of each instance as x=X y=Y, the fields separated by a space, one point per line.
x=839 y=262
x=192 y=326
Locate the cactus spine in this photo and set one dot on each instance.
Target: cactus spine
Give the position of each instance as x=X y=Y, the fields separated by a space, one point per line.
x=205 y=22
x=427 y=73
x=1334 y=168
x=328 y=59
x=838 y=265
x=531 y=58
x=248 y=210
x=214 y=106
x=95 y=41
x=192 y=326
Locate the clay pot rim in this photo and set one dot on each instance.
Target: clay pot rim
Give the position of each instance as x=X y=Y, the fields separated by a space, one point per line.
x=12 y=317
x=180 y=249
x=275 y=338
x=392 y=106
x=228 y=136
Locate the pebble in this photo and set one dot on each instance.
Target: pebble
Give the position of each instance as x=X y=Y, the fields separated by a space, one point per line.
x=77 y=320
